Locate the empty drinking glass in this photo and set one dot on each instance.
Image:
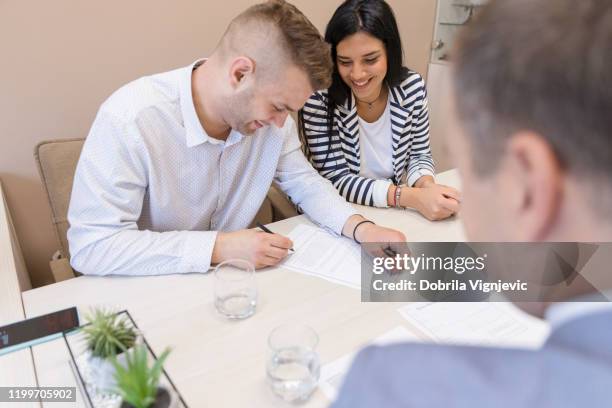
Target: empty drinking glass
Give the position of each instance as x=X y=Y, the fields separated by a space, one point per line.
x=293 y=368
x=235 y=291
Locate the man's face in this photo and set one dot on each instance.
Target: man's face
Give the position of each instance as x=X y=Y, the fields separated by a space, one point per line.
x=484 y=210
x=485 y=198
x=268 y=101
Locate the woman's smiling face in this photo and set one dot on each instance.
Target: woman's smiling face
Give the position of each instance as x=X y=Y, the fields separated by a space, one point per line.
x=362 y=64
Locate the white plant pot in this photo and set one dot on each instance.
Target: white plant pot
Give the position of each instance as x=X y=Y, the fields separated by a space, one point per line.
x=102 y=372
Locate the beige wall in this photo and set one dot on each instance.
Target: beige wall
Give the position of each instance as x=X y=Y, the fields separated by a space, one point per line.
x=60 y=59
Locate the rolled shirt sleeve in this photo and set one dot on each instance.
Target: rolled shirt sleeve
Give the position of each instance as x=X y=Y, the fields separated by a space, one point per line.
x=381 y=189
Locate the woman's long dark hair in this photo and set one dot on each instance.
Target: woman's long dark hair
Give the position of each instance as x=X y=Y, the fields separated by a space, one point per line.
x=376 y=18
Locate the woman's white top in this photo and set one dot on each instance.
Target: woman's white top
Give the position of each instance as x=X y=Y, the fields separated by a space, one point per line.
x=376 y=162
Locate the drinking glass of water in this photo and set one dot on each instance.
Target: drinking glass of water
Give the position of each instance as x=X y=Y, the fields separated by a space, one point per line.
x=235 y=291
x=293 y=368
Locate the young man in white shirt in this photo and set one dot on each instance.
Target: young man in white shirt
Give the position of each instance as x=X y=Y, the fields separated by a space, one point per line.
x=177 y=164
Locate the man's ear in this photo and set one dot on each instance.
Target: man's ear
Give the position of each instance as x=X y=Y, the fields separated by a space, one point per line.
x=539 y=176
x=240 y=69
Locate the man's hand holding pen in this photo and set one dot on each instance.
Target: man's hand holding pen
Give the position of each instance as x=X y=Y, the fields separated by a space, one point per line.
x=258 y=247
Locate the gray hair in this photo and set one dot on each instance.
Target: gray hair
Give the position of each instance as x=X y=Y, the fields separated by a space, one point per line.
x=543 y=66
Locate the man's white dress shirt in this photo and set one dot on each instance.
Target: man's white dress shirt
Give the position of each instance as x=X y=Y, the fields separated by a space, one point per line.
x=152 y=188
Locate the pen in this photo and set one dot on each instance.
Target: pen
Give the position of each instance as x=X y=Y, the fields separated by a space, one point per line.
x=266 y=229
x=389 y=252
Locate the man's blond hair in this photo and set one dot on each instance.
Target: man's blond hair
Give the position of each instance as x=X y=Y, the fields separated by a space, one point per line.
x=281 y=28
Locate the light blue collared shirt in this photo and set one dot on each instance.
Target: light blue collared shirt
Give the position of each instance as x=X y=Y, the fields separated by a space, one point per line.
x=560 y=313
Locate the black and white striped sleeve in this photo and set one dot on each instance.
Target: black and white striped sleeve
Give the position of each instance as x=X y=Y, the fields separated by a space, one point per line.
x=328 y=155
x=420 y=162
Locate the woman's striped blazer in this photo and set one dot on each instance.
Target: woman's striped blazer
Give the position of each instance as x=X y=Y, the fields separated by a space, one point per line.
x=340 y=161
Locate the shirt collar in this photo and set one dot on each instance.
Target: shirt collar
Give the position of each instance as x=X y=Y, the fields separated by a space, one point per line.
x=194 y=132
x=560 y=313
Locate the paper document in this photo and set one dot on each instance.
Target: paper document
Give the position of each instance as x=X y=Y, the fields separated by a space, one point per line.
x=318 y=253
x=479 y=323
x=332 y=374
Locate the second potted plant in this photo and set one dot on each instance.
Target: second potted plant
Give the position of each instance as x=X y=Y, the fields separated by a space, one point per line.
x=138 y=383
x=108 y=336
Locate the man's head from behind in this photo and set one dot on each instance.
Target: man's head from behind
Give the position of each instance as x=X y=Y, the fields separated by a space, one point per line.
x=272 y=60
x=532 y=105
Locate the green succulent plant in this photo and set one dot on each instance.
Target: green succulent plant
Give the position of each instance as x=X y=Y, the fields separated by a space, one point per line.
x=136 y=381
x=108 y=333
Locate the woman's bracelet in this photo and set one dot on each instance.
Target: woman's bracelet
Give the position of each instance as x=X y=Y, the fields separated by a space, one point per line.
x=398 y=194
x=357 y=226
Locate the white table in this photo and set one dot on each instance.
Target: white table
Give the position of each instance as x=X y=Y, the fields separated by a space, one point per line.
x=219 y=363
x=16 y=369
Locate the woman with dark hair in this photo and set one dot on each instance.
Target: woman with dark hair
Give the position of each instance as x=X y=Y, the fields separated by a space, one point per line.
x=369 y=132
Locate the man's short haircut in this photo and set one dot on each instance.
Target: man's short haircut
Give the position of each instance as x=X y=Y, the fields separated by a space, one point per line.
x=542 y=66
x=299 y=38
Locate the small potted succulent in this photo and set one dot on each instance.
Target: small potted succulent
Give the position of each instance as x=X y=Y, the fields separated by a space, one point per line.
x=108 y=336
x=138 y=383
